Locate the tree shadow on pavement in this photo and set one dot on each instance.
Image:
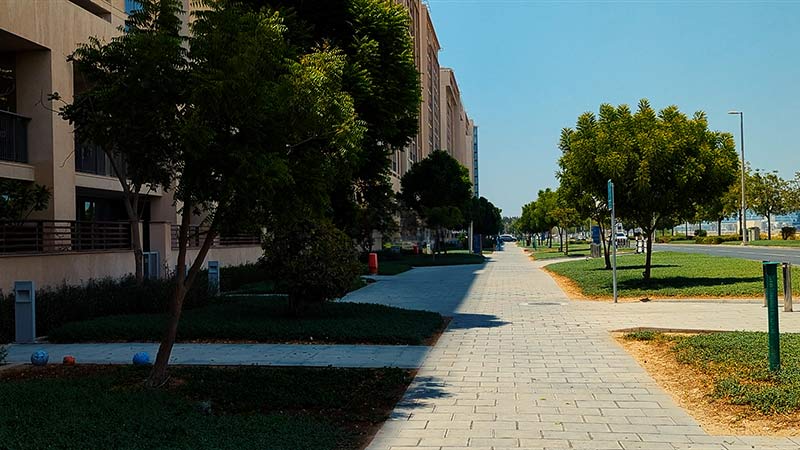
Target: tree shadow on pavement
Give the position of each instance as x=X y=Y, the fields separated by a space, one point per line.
x=469 y=321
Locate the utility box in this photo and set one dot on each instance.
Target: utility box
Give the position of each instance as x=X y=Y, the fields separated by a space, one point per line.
x=596 y=250
x=213 y=278
x=753 y=234
x=24 y=312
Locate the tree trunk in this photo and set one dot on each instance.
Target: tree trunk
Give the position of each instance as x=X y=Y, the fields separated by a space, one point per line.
x=648 y=257
x=605 y=246
x=566 y=247
x=560 y=240
x=719 y=227
x=769 y=227
x=131 y=202
x=158 y=376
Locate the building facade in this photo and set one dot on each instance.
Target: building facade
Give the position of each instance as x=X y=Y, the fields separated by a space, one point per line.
x=84 y=231
x=443 y=121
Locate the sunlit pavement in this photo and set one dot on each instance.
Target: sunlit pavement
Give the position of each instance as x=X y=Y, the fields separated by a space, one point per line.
x=522 y=366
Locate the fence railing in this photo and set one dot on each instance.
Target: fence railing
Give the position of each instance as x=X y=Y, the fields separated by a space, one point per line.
x=13 y=137
x=197 y=234
x=60 y=236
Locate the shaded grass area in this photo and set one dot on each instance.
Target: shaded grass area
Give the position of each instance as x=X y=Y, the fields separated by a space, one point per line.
x=265 y=319
x=85 y=407
x=393 y=264
x=575 y=251
x=768 y=243
x=738 y=363
x=673 y=275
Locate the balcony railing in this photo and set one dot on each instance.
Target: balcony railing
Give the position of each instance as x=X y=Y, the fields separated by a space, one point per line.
x=53 y=236
x=13 y=137
x=90 y=158
x=197 y=233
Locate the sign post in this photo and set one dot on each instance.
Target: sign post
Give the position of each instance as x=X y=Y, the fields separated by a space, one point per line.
x=771 y=292
x=612 y=207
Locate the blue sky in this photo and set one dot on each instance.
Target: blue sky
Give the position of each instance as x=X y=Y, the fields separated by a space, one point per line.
x=526 y=69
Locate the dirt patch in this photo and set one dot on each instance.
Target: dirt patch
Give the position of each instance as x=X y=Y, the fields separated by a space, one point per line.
x=574 y=292
x=691 y=389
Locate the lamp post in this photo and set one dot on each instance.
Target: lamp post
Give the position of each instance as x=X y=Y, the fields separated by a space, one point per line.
x=744 y=203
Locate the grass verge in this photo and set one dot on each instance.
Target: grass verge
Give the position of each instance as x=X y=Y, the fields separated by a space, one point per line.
x=673 y=275
x=768 y=243
x=724 y=378
x=265 y=319
x=202 y=408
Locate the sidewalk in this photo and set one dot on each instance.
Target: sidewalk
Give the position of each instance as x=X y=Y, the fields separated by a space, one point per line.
x=522 y=366
x=406 y=357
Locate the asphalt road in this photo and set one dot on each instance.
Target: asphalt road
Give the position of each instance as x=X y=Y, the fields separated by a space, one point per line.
x=780 y=254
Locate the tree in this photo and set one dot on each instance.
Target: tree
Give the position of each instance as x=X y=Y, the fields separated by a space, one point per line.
x=581 y=180
x=135 y=86
x=381 y=76
x=664 y=165
x=564 y=216
x=547 y=201
x=438 y=189
x=768 y=194
x=256 y=114
x=717 y=209
x=18 y=199
x=485 y=217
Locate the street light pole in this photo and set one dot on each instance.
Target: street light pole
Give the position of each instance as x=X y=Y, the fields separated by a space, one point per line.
x=744 y=203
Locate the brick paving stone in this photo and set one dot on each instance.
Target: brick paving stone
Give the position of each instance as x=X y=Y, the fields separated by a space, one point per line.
x=520 y=352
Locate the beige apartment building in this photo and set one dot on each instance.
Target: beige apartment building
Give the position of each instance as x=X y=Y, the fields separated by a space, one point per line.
x=443 y=122
x=457 y=128
x=84 y=232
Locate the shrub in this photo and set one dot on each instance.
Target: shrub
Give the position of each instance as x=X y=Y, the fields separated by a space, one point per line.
x=234 y=277
x=700 y=233
x=3 y=354
x=312 y=262
x=788 y=232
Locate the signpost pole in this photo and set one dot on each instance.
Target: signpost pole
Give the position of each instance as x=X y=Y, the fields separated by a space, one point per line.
x=612 y=207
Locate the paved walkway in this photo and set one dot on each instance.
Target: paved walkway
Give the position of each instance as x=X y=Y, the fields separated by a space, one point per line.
x=522 y=366
x=407 y=357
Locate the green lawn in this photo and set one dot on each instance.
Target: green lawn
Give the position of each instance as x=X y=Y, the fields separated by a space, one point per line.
x=96 y=407
x=738 y=362
x=673 y=275
x=394 y=264
x=265 y=319
x=768 y=243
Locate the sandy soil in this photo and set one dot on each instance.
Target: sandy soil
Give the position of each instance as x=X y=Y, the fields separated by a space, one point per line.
x=691 y=389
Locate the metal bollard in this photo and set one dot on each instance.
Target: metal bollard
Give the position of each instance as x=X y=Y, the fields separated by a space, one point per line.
x=771 y=293
x=213 y=278
x=787 y=286
x=24 y=312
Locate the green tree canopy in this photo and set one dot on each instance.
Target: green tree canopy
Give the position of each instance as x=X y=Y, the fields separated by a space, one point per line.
x=380 y=75
x=768 y=194
x=664 y=164
x=438 y=189
x=135 y=84
x=485 y=217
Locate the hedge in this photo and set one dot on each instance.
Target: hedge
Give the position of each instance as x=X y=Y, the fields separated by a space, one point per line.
x=716 y=239
x=105 y=297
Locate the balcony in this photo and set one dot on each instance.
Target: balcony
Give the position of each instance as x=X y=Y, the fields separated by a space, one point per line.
x=13 y=137
x=197 y=234
x=92 y=159
x=62 y=236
